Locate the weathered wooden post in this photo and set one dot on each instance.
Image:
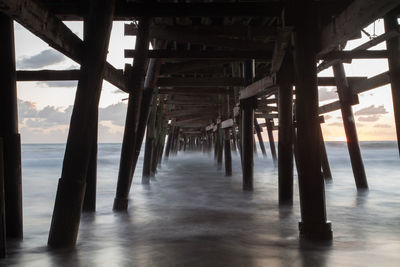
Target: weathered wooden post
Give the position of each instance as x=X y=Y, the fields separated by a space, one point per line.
x=3 y=235
x=313 y=223
x=89 y=201
x=220 y=137
x=247 y=107
x=169 y=142
x=150 y=143
x=271 y=140
x=9 y=130
x=227 y=139
x=347 y=98
x=71 y=187
x=393 y=48
x=326 y=170
x=285 y=132
x=135 y=84
x=259 y=136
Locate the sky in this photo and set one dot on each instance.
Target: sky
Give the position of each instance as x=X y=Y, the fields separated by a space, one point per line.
x=45 y=107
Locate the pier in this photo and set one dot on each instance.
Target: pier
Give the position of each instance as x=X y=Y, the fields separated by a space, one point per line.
x=208 y=77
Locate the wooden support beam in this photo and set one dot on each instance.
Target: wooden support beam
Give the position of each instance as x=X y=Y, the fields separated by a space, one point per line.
x=393 y=47
x=71 y=187
x=44 y=24
x=126 y=10
x=9 y=131
x=285 y=132
x=89 y=201
x=191 y=66
x=326 y=170
x=3 y=234
x=271 y=140
x=264 y=86
x=356 y=54
x=352 y=20
x=194 y=91
x=188 y=35
x=371 y=43
x=371 y=83
x=226 y=136
x=200 y=82
x=313 y=223
x=345 y=98
x=205 y=54
x=247 y=137
x=149 y=96
x=136 y=85
x=259 y=136
x=330 y=81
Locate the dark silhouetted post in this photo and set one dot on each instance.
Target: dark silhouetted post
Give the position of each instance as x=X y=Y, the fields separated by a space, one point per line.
x=135 y=84
x=285 y=133
x=346 y=98
x=247 y=137
x=9 y=130
x=71 y=187
x=393 y=48
x=313 y=223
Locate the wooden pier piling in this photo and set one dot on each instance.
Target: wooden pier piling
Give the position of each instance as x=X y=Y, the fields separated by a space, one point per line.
x=313 y=223
x=347 y=98
x=260 y=139
x=227 y=138
x=71 y=187
x=136 y=83
x=9 y=131
x=326 y=170
x=393 y=48
x=271 y=140
x=3 y=235
x=247 y=137
x=285 y=133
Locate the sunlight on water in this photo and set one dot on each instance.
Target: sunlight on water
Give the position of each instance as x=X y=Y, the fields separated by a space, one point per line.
x=192 y=215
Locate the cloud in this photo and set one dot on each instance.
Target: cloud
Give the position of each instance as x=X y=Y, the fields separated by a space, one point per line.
x=382 y=126
x=53 y=122
x=115 y=113
x=336 y=124
x=45 y=58
x=371 y=110
x=326 y=94
x=369 y=118
x=65 y=84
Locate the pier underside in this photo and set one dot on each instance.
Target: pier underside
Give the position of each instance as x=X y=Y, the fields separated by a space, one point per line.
x=210 y=77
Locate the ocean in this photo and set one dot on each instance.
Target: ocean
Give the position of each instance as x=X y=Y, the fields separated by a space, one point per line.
x=192 y=215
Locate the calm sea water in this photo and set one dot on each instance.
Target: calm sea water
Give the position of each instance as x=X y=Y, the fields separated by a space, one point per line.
x=192 y=215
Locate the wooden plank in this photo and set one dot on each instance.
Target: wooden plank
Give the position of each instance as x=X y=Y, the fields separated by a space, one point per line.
x=219 y=30
x=330 y=81
x=262 y=86
x=226 y=123
x=200 y=82
x=187 y=35
x=281 y=45
x=191 y=66
x=195 y=91
x=41 y=22
x=371 y=43
x=353 y=19
x=329 y=107
x=356 y=54
x=214 y=54
x=371 y=83
x=115 y=76
x=128 y=10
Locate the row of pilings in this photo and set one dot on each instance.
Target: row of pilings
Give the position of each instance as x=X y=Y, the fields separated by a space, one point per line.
x=77 y=185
